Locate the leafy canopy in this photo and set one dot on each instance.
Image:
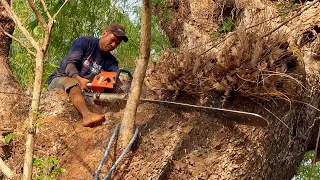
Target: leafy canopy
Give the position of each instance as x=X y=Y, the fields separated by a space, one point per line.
x=79 y=18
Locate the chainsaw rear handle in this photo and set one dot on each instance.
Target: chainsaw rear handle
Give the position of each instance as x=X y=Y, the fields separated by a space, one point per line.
x=118 y=74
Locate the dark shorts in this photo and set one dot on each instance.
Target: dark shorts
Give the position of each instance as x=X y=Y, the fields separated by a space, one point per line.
x=63 y=83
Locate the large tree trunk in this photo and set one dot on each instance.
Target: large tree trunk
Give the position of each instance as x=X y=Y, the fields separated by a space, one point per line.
x=9 y=87
x=212 y=150
x=13 y=102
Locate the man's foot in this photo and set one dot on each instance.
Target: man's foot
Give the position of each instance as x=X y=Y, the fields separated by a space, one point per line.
x=92 y=119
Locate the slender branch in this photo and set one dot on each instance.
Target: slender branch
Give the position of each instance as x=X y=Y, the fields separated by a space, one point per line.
x=2 y=92
x=4 y=129
x=5 y=169
x=46 y=9
x=288 y=20
x=20 y=25
x=47 y=36
x=20 y=42
x=41 y=51
x=37 y=13
x=129 y=117
x=65 y=2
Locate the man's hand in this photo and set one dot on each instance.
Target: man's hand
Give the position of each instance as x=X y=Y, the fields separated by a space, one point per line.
x=83 y=83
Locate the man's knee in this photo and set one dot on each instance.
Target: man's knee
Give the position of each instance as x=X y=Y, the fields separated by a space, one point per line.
x=65 y=83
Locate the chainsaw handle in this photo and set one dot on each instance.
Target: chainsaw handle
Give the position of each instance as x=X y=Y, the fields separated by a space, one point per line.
x=118 y=74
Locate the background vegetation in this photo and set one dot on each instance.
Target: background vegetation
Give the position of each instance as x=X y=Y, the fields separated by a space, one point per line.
x=80 y=18
x=307 y=170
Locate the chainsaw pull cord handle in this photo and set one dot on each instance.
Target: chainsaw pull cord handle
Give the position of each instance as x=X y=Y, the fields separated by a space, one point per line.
x=88 y=84
x=118 y=74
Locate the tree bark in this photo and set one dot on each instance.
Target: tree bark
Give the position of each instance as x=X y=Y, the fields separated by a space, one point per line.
x=8 y=84
x=33 y=116
x=9 y=105
x=128 y=121
x=233 y=151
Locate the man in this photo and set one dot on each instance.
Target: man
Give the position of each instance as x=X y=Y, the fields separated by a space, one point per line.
x=87 y=57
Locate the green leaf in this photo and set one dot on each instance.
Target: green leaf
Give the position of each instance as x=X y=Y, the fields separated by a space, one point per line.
x=280 y=5
x=37 y=124
x=38 y=31
x=38 y=177
x=37 y=162
x=307 y=170
x=33 y=24
x=227 y=26
x=59 y=170
x=53 y=161
x=8 y=137
x=53 y=65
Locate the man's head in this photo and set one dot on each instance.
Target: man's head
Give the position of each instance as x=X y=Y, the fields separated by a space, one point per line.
x=112 y=36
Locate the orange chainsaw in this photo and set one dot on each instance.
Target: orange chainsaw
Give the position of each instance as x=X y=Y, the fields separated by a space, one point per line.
x=104 y=88
x=107 y=82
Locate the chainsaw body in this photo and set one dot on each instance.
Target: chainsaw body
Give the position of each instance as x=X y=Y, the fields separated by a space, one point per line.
x=107 y=81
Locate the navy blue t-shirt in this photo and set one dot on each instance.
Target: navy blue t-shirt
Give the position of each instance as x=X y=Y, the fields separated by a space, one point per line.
x=85 y=55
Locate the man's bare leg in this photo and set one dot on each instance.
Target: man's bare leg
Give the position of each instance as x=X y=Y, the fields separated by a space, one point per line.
x=88 y=118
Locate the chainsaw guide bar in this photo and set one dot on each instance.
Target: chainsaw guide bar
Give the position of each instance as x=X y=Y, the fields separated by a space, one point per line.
x=240 y=117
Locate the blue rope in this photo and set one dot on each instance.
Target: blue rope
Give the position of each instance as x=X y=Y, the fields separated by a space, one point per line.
x=115 y=132
x=125 y=151
x=122 y=155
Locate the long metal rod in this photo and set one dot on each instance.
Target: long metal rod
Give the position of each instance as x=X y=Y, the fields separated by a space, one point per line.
x=240 y=117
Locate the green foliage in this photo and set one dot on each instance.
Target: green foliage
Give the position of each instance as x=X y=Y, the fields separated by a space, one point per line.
x=215 y=36
x=37 y=124
x=285 y=8
x=227 y=25
x=162 y=3
x=79 y=18
x=47 y=169
x=39 y=115
x=308 y=171
x=8 y=137
x=166 y=10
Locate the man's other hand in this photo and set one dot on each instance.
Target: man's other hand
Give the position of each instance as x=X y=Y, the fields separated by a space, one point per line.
x=83 y=83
